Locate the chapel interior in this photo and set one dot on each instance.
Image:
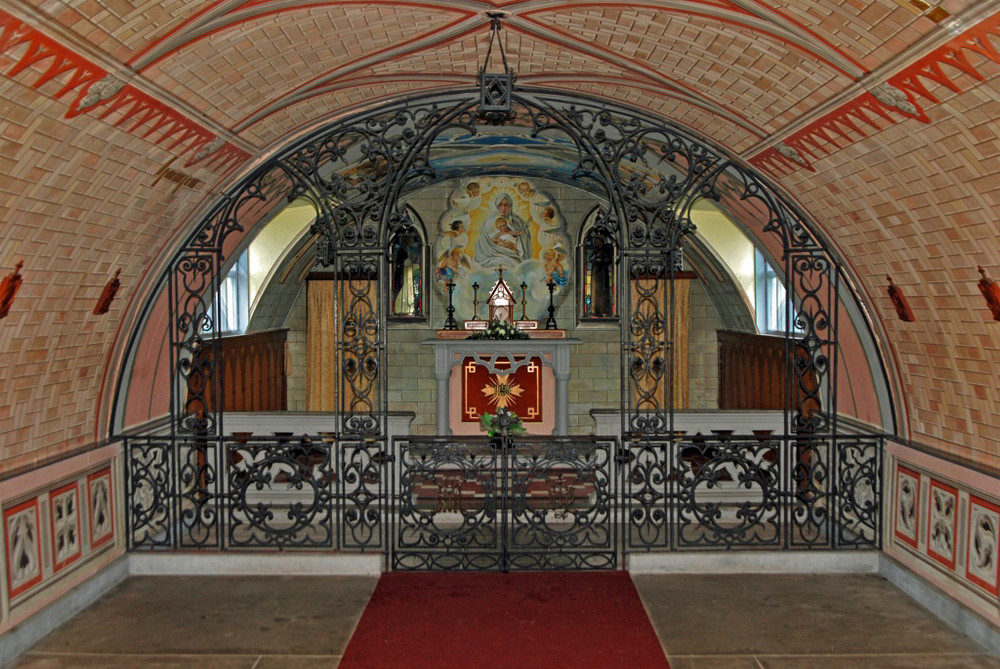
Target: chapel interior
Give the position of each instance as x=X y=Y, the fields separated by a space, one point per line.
x=500 y=286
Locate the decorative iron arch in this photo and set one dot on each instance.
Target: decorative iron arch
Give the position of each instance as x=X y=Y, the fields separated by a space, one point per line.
x=195 y=488
x=356 y=171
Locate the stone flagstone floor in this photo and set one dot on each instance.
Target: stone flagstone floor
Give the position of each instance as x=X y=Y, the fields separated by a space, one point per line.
x=719 y=622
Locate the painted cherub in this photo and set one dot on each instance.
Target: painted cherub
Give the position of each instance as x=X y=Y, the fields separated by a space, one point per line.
x=554 y=269
x=451 y=262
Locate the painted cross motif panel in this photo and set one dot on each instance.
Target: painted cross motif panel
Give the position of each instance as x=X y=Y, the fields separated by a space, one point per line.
x=24 y=548
x=519 y=391
x=102 y=528
x=64 y=515
x=983 y=566
x=942 y=517
x=907 y=503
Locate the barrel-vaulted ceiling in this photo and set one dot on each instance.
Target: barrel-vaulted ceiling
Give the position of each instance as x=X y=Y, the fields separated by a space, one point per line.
x=123 y=119
x=742 y=72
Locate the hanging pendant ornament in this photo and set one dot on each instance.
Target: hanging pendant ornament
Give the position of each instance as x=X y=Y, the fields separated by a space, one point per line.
x=899 y=302
x=8 y=289
x=991 y=292
x=496 y=88
x=104 y=301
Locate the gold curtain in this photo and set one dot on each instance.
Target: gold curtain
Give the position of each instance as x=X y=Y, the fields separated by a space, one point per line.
x=650 y=301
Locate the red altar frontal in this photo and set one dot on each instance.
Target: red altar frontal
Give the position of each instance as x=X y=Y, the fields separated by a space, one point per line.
x=528 y=377
x=519 y=383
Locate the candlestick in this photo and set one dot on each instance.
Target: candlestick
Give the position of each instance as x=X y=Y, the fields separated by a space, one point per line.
x=475 y=301
x=524 y=300
x=450 y=323
x=550 y=322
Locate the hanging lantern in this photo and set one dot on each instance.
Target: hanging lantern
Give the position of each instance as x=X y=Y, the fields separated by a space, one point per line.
x=496 y=88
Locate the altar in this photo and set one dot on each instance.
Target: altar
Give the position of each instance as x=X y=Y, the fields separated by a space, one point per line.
x=530 y=377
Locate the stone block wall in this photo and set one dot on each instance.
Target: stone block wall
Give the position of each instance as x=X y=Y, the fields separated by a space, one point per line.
x=596 y=362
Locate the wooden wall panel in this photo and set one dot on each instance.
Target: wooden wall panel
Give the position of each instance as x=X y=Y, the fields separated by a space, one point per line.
x=253 y=371
x=321 y=329
x=752 y=370
x=656 y=308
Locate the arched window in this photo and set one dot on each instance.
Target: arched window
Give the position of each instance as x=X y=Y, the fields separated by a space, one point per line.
x=598 y=253
x=407 y=265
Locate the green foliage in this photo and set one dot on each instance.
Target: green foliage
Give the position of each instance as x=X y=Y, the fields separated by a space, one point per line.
x=498 y=329
x=486 y=424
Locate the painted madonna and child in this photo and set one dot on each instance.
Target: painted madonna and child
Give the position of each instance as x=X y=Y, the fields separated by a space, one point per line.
x=498 y=222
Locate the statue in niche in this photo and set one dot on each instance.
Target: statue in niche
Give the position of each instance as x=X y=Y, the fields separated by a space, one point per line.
x=599 y=265
x=407 y=288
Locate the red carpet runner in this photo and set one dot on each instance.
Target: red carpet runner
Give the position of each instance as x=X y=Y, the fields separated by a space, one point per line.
x=578 y=620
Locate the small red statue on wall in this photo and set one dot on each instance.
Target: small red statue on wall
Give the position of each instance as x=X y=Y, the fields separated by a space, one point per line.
x=104 y=301
x=899 y=301
x=8 y=289
x=991 y=291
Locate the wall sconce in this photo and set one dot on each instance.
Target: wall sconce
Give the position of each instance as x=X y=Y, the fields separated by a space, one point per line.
x=899 y=301
x=8 y=289
x=991 y=291
x=104 y=301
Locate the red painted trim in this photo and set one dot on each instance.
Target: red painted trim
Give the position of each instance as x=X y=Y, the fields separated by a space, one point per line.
x=947 y=560
x=31 y=503
x=916 y=507
x=135 y=106
x=15 y=33
x=846 y=124
x=235 y=22
x=993 y=589
x=976 y=39
x=100 y=541
x=56 y=566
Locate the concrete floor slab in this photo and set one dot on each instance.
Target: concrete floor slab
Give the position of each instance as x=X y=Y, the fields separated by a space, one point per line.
x=798 y=621
x=703 y=621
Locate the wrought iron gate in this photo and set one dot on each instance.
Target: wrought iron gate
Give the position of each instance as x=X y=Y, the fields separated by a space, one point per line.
x=471 y=503
x=505 y=504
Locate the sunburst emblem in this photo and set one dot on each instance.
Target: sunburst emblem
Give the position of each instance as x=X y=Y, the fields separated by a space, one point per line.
x=501 y=392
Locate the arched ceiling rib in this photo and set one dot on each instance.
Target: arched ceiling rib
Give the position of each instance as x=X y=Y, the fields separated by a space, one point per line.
x=740 y=71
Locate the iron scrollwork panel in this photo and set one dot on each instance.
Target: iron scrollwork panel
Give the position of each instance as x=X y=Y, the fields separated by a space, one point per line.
x=198 y=492
x=810 y=508
x=279 y=493
x=562 y=505
x=648 y=349
x=447 y=516
x=812 y=294
x=194 y=337
x=728 y=492
x=649 y=477
x=149 y=479
x=362 y=492
x=361 y=344
x=859 y=472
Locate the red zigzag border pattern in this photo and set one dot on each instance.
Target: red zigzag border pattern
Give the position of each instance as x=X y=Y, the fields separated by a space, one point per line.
x=852 y=121
x=129 y=107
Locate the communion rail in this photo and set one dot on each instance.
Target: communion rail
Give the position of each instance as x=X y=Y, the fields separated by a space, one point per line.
x=504 y=503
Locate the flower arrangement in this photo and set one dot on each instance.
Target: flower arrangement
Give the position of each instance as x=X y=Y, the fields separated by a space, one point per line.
x=498 y=329
x=493 y=424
